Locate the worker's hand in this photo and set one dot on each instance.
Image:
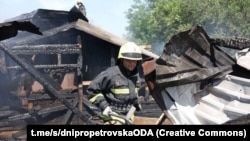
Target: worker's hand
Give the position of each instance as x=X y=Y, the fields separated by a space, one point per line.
x=111 y=117
x=107 y=111
x=117 y=119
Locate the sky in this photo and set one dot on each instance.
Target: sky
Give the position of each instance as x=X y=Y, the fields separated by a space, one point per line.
x=108 y=15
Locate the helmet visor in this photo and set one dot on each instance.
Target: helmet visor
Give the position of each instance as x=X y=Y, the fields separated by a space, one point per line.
x=132 y=56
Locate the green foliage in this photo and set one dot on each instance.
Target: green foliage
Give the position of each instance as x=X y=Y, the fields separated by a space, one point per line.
x=154 y=22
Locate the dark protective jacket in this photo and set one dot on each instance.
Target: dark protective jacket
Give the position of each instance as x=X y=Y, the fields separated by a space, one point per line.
x=115 y=87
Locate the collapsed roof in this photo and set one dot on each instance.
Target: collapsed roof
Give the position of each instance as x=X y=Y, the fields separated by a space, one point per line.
x=190 y=57
x=195 y=82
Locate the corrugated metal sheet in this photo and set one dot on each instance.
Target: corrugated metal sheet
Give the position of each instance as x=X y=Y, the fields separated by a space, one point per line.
x=195 y=82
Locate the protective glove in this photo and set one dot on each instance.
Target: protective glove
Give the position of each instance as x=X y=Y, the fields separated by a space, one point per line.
x=107 y=111
x=116 y=119
x=112 y=117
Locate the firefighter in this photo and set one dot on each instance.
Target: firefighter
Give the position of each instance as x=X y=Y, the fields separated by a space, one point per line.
x=115 y=90
x=81 y=7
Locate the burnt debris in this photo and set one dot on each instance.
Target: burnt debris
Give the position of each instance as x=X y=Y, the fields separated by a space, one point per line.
x=10 y=29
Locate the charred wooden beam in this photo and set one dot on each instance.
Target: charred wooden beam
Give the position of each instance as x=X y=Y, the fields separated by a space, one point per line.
x=79 y=74
x=11 y=124
x=46 y=49
x=12 y=128
x=3 y=69
x=7 y=113
x=161 y=119
x=150 y=109
x=39 y=113
x=47 y=66
x=46 y=34
x=36 y=97
x=51 y=110
x=20 y=117
x=49 y=51
x=47 y=85
x=69 y=113
x=46 y=46
x=238 y=43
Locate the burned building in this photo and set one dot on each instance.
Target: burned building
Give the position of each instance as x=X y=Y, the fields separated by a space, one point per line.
x=43 y=77
x=59 y=47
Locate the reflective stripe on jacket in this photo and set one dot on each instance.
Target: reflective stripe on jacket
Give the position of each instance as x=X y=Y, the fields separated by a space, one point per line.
x=112 y=88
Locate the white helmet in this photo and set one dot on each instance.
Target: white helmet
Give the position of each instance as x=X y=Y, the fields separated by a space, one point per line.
x=79 y=1
x=130 y=51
